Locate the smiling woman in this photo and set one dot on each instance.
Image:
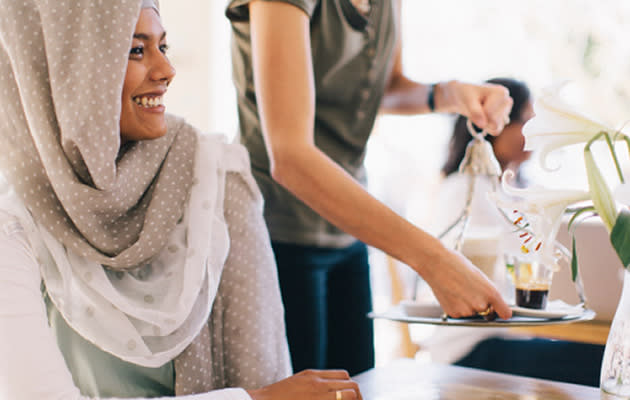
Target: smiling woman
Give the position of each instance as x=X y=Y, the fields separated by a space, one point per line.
x=140 y=270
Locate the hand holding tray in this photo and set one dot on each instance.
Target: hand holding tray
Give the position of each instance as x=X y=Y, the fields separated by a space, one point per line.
x=557 y=312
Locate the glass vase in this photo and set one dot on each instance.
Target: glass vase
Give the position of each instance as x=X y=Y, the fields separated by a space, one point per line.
x=615 y=375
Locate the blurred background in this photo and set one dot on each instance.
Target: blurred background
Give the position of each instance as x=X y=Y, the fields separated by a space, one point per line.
x=540 y=42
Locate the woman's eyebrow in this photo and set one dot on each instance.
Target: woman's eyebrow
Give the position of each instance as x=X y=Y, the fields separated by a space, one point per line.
x=144 y=36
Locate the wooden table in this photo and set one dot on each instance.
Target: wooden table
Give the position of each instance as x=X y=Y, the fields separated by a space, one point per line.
x=594 y=332
x=407 y=379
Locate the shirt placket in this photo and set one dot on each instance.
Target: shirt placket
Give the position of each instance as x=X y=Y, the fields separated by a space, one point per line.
x=370 y=54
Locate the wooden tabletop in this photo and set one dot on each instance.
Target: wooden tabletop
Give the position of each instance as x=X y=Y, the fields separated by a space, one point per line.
x=407 y=379
x=594 y=332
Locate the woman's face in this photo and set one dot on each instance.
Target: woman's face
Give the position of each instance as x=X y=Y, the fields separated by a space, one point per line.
x=148 y=74
x=508 y=146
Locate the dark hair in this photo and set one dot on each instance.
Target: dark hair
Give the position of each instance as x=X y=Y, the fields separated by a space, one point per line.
x=459 y=140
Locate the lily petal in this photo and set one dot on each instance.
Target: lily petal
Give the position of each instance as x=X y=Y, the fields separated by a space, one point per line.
x=537 y=212
x=538 y=196
x=600 y=192
x=622 y=194
x=556 y=125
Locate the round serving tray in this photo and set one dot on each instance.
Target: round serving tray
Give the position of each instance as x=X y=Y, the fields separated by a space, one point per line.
x=432 y=315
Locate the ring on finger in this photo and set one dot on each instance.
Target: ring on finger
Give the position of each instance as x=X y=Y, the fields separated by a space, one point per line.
x=338 y=395
x=485 y=312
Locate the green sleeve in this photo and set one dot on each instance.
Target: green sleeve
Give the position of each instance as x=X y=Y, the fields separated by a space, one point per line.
x=238 y=10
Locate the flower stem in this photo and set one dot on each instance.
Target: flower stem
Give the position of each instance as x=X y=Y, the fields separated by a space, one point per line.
x=578 y=212
x=611 y=147
x=614 y=155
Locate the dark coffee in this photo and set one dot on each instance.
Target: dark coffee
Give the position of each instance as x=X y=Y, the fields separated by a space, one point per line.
x=532 y=297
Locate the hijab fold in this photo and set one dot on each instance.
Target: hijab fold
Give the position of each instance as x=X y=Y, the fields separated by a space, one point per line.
x=60 y=129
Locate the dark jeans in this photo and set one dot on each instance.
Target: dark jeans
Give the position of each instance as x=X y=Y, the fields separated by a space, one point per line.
x=326 y=295
x=539 y=358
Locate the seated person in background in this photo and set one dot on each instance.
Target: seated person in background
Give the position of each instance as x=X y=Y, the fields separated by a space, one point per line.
x=495 y=349
x=135 y=259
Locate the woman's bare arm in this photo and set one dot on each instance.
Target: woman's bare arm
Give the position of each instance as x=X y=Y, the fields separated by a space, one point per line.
x=284 y=83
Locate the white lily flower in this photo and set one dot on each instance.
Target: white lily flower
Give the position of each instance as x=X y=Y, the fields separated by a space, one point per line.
x=622 y=194
x=556 y=124
x=537 y=213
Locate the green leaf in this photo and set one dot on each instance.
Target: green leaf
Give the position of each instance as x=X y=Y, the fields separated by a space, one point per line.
x=574 y=261
x=620 y=237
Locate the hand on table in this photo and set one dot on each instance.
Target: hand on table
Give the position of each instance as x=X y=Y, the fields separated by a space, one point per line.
x=311 y=385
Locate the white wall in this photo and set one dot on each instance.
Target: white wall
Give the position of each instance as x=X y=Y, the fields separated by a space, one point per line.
x=198 y=33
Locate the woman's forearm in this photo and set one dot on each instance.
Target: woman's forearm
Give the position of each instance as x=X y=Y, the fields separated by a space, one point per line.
x=325 y=187
x=404 y=96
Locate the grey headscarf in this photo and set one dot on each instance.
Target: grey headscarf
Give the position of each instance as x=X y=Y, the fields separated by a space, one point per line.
x=60 y=92
x=151 y=4
x=62 y=68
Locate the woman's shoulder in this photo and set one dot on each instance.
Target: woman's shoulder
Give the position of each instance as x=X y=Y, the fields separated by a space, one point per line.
x=231 y=156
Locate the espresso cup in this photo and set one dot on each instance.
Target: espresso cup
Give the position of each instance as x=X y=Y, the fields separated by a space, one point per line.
x=532 y=281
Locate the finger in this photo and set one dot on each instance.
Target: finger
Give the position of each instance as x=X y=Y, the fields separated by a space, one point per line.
x=342 y=384
x=477 y=115
x=342 y=394
x=485 y=312
x=497 y=108
x=488 y=314
x=459 y=311
x=334 y=374
x=501 y=308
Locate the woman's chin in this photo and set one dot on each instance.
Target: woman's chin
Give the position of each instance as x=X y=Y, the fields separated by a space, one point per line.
x=147 y=133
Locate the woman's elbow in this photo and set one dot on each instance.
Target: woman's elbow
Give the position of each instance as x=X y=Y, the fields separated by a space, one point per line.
x=280 y=164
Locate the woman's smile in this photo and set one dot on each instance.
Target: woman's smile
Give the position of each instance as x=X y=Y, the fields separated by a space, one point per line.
x=149 y=73
x=150 y=102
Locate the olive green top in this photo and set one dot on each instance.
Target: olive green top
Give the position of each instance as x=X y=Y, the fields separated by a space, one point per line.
x=100 y=374
x=352 y=59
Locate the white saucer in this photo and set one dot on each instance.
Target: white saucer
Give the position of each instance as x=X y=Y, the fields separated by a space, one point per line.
x=424 y=310
x=555 y=309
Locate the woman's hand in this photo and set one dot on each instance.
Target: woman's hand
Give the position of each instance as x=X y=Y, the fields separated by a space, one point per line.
x=488 y=105
x=311 y=385
x=462 y=289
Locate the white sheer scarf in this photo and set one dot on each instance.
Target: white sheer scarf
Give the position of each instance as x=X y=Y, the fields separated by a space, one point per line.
x=139 y=211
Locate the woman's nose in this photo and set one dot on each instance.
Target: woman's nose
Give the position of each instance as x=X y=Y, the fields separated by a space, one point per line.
x=162 y=70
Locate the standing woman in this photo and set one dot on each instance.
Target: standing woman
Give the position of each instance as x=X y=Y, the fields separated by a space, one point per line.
x=311 y=76
x=135 y=259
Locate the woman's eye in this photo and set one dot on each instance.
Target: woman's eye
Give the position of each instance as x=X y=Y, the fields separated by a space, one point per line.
x=164 y=48
x=136 y=51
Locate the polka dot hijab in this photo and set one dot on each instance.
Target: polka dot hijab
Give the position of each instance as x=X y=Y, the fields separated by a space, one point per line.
x=130 y=242
x=62 y=66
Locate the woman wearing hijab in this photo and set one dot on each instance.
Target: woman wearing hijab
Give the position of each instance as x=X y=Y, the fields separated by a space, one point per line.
x=135 y=260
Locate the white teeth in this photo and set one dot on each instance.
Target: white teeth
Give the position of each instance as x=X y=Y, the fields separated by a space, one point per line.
x=148 y=102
